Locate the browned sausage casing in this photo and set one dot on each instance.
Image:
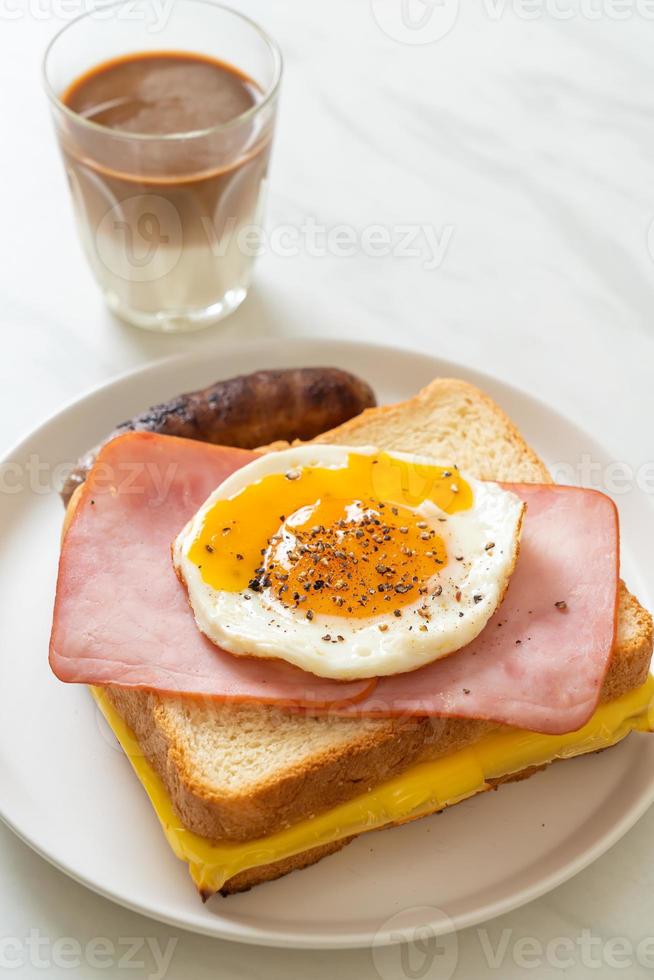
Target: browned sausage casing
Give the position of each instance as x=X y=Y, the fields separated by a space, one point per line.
x=250 y=410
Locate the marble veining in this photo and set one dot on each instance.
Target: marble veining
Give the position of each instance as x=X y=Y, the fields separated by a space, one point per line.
x=531 y=138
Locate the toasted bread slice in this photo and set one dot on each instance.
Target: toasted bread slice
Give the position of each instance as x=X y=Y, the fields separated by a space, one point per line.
x=240 y=772
x=449 y=420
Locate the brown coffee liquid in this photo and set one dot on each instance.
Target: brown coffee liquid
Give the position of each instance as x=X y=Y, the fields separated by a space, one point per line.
x=189 y=195
x=160 y=93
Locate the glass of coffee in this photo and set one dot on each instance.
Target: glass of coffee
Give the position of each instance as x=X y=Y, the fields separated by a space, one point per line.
x=165 y=113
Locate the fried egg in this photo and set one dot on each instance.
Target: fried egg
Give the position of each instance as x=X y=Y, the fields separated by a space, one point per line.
x=348 y=562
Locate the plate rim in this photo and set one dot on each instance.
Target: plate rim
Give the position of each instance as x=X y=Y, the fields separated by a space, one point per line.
x=247 y=934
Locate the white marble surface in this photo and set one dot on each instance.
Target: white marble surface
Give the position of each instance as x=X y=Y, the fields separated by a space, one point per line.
x=526 y=138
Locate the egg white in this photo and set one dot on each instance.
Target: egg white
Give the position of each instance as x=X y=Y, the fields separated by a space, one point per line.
x=261 y=626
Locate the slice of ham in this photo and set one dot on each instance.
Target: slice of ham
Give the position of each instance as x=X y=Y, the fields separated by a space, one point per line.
x=122 y=618
x=540 y=662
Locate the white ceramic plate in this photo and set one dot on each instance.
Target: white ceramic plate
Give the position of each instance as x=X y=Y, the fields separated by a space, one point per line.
x=70 y=793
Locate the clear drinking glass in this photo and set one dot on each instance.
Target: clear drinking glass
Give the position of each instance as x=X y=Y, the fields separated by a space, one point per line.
x=168 y=222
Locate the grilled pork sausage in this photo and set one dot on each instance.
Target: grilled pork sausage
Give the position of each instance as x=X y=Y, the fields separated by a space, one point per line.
x=248 y=411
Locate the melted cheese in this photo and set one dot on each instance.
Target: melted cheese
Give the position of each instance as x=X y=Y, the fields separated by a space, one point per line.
x=423 y=789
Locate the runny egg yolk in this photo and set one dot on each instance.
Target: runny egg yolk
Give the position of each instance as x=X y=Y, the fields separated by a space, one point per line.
x=345 y=541
x=358 y=559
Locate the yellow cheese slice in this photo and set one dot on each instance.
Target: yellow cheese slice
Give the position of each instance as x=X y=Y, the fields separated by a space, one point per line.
x=422 y=789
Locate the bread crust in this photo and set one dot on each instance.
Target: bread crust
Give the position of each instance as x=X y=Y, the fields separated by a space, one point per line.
x=384 y=748
x=440 y=412
x=269 y=872
x=452 y=421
